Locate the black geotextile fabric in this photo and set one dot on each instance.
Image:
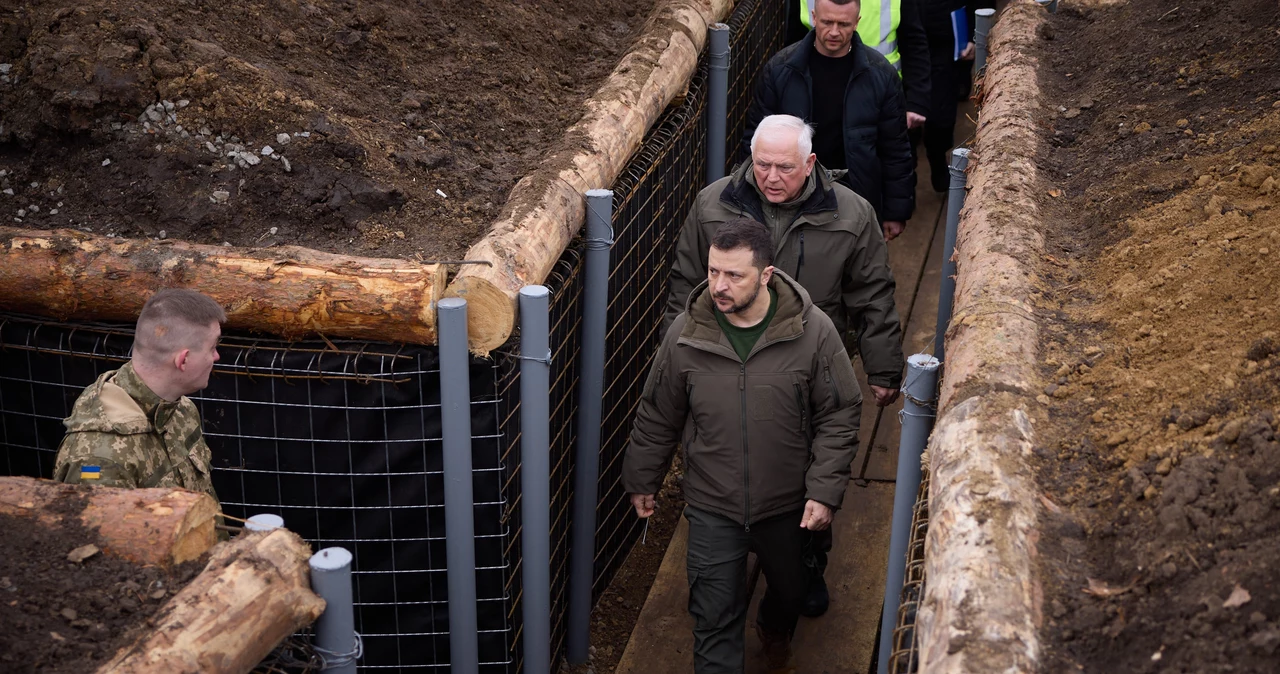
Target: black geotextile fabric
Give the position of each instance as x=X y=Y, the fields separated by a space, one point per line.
x=344 y=445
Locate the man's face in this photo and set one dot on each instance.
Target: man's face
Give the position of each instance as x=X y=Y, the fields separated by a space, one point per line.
x=779 y=168
x=835 y=26
x=733 y=278
x=194 y=374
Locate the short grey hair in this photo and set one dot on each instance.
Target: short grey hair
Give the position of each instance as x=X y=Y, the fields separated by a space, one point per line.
x=772 y=123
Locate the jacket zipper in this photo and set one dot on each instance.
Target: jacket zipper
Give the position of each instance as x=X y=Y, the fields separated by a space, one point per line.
x=800 y=263
x=804 y=411
x=826 y=376
x=746 y=461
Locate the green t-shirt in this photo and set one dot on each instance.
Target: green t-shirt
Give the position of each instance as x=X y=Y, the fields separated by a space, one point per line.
x=744 y=339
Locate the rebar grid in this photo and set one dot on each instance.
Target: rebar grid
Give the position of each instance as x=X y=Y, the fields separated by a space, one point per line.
x=341 y=439
x=904 y=658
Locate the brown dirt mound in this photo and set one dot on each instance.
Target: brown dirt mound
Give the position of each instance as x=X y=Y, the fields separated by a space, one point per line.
x=1162 y=446
x=58 y=616
x=396 y=129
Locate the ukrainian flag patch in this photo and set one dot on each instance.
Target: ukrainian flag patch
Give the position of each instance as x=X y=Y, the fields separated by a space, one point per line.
x=90 y=472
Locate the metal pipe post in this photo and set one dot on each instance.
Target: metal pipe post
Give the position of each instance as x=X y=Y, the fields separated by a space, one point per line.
x=595 y=307
x=918 y=412
x=982 y=20
x=717 y=101
x=947 y=291
x=459 y=503
x=535 y=476
x=336 y=639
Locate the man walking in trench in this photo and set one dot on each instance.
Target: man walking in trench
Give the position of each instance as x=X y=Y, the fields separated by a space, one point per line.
x=754 y=382
x=826 y=238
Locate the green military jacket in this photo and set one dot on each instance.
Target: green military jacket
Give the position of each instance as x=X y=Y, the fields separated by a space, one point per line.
x=760 y=435
x=121 y=434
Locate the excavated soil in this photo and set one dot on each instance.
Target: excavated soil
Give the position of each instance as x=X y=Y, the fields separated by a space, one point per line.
x=1161 y=458
x=394 y=128
x=63 y=617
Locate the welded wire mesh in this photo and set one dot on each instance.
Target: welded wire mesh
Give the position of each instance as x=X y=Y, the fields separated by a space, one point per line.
x=904 y=657
x=341 y=439
x=652 y=196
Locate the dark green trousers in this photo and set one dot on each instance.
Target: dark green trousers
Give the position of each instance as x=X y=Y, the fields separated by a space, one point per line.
x=717 y=567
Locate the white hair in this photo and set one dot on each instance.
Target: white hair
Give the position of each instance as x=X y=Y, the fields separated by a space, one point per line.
x=772 y=123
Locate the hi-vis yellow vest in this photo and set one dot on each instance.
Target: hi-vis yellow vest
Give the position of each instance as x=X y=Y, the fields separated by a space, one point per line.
x=877 y=26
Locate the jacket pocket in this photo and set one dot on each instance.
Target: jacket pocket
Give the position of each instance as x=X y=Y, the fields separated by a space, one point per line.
x=841 y=378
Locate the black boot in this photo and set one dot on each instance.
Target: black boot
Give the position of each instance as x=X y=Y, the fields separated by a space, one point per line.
x=819 y=599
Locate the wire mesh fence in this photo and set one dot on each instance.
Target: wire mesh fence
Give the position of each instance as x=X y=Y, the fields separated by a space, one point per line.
x=343 y=439
x=904 y=658
x=652 y=196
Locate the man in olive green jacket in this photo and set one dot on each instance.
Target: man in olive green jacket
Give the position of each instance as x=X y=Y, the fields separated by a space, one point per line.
x=754 y=381
x=825 y=237
x=135 y=427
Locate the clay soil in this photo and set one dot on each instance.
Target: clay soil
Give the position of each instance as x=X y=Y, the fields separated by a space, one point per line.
x=1160 y=460
x=395 y=128
x=62 y=617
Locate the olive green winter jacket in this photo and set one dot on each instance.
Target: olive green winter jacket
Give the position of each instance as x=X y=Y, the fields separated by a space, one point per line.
x=760 y=436
x=834 y=248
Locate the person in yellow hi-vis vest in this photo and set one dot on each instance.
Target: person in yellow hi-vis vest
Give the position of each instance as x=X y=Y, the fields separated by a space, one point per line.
x=894 y=28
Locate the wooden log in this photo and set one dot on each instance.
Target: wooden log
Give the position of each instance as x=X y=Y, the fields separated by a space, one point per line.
x=287 y=291
x=982 y=605
x=146 y=526
x=546 y=208
x=254 y=592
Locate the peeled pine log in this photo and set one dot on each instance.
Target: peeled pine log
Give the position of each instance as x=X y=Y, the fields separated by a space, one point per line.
x=982 y=607
x=546 y=208
x=253 y=593
x=288 y=291
x=146 y=526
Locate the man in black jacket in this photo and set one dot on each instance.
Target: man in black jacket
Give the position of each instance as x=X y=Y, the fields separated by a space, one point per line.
x=853 y=97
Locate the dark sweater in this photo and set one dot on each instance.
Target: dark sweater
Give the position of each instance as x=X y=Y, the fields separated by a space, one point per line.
x=830 y=78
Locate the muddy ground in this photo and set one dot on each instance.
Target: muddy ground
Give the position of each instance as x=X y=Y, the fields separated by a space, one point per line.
x=59 y=616
x=1161 y=457
x=394 y=128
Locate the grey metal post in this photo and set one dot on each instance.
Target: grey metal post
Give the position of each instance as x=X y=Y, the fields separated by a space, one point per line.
x=336 y=639
x=459 y=503
x=918 y=411
x=982 y=20
x=535 y=476
x=263 y=522
x=947 y=290
x=590 y=398
x=717 y=101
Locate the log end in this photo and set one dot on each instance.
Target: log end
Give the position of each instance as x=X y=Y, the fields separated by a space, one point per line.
x=491 y=314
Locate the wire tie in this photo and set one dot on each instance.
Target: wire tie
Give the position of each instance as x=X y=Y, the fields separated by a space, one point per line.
x=332 y=660
x=545 y=361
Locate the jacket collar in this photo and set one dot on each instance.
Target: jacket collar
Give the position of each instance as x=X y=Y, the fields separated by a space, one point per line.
x=741 y=195
x=702 y=331
x=156 y=408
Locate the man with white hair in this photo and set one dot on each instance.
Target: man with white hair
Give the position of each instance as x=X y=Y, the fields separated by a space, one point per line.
x=854 y=99
x=135 y=427
x=826 y=238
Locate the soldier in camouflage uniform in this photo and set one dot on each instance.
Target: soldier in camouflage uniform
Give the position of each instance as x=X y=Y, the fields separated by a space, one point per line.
x=135 y=427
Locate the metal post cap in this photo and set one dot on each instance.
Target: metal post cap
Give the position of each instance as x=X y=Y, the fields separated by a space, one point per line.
x=331 y=559
x=599 y=194
x=452 y=303
x=986 y=11
x=534 y=291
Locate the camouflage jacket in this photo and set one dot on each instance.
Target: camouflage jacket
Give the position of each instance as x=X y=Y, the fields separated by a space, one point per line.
x=121 y=434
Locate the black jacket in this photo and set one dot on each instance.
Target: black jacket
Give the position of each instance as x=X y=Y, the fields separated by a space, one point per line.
x=914 y=51
x=877 y=151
